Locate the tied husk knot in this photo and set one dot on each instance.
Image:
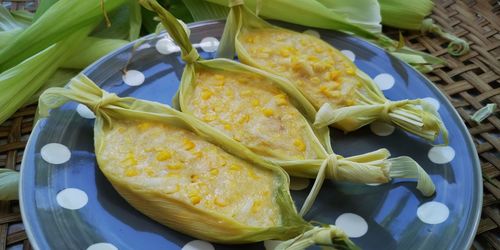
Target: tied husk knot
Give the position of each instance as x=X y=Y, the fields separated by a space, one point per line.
x=190 y=57
x=233 y=3
x=326 y=235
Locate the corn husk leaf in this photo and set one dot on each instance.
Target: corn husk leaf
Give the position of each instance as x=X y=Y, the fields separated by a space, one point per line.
x=9 y=184
x=202 y=10
x=125 y=23
x=372 y=165
x=370 y=104
x=364 y=13
x=484 y=112
x=181 y=216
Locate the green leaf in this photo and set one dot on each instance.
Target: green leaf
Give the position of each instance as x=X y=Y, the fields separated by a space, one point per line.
x=9 y=184
x=43 y=6
x=202 y=10
x=60 y=78
x=7 y=21
x=125 y=23
x=484 y=112
x=23 y=17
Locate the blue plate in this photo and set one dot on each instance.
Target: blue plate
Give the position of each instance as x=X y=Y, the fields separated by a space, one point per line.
x=67 y=203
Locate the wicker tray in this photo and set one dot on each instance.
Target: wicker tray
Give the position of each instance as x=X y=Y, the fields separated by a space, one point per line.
x=470 y=82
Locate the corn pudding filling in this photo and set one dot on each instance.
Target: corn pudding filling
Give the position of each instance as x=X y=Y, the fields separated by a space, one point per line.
x=316 y=68
x=253 y=111
x=179 y=164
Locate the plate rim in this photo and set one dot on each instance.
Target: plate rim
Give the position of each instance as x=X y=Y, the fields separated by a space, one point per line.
x=461 y=125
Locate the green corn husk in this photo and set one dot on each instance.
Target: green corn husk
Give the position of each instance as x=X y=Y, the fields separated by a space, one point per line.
x=351 y=101
x=176 y=212
x=9 y=180
x=372 y=167
x=411 y=15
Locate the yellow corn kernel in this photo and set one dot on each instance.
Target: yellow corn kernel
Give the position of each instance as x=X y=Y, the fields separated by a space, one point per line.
x=194 y=178
x=256 y=206
x=350 y=71
x=209 y=118
x=315 y=80
x=304 y=42
x=219 y=83
x=220 y=202
x=188 y=145
x=163 y=155
x=324 y=90
x=349 y=102
x=131 y=172
x=198 y=154
x=219 y=77
x=280 y=99
x=174 y=167
x=252 y=174
x=214 y=171
x=246 y=92
x=318 y=50
x=122 y=129
x=243 y=80
x=250 y=39
x=222 y=161
x=334 y=75
x=206 y=94
x=143 y=126
x=234 y=167
x=312 y=59
x=130 y=160
x=255 y=102
x=195 y=199
x=299 y=144
x=267 y=112
x=172 y=175
x=335 y=85
x=227 y=127
x=284 y=53
x=244 y=119
x=150 y=171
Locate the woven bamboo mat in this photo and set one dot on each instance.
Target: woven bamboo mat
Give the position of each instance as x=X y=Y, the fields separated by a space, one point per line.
x=470 y=82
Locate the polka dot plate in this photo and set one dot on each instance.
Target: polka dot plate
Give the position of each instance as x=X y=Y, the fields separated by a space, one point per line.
x=67 y=203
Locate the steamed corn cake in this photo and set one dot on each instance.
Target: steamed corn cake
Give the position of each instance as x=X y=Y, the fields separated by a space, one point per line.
x=251 y=110
x=179 y=164
x=320 y=71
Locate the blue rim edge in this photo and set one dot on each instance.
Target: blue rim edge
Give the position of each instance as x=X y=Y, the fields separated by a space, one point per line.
x=431 y=85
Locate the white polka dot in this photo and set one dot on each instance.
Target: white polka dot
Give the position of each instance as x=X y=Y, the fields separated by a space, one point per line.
x=209 y=44
x=198 y=245
x=55 y=153
x=271 y=244
x=352 y=224
x=166 y=46
x=432 y=101
x=72 y=198
x=441 y=154
x=102 y=246
x=433 y=212
x=143 y=46
x=312 y=33
x=349 y=54
x=384 y=81
x=297 y=183
x=133 y=78
x=85 y=112
x=381 y=128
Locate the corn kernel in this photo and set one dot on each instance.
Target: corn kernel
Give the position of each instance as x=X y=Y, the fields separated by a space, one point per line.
x=315 y=80
x=130 y=160
x=195 y=199
x=222 y=161
x=312 y=59
x=350 y=71
x=244 y=119
x=198 y=154
x=220 y=202
x=234 y=167
x=209 y=118
x=284 y=53
x=150 y=171
x=214 y=171
x=174 y=166
x=349 y=102
x=172 y=175
x=227 y=127
x=256 y=206
x=335 y=93
x=163 y=155
x=219 y=83
x=299 y=144
x=143 y=126
x=219 y=77
x=188 y=145
x=255 y=102
x=250 y=39
x=131 y=172
x=324 y=90
x=318 y=50
x=267 y=112
x=206 y=94
x=246 y=92
x=280 y=99
x=252 y=174
x=194 y=178
x=334 y=74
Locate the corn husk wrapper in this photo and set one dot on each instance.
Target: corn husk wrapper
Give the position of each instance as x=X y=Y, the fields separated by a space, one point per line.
x=373 y=167
x=367 y=103
x=175 y=213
